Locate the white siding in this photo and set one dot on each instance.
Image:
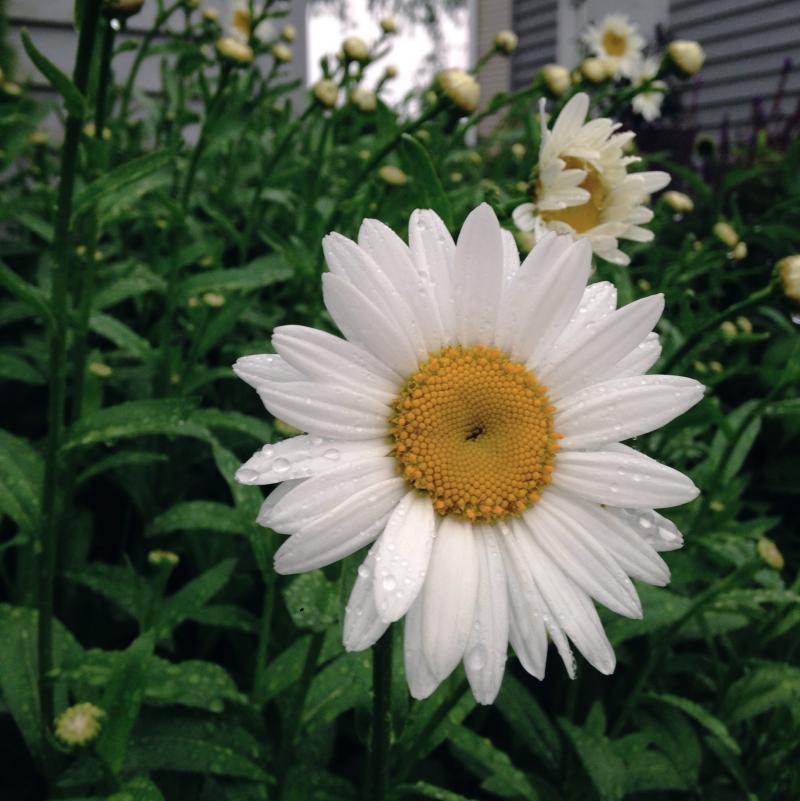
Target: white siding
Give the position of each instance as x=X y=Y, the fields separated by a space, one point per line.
x=535 y=22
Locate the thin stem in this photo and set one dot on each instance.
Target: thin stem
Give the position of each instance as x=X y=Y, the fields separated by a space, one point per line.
x=263 y=640
x=378 y=776
x=45 y=545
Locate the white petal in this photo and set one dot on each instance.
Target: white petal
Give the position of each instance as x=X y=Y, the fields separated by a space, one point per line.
x=363 y=322
x=620 y=408
x=602 y=345
x=655 y=529
x=326 y=410
x=276 y=495
x=574 y=609
x=571 y=118
x=622 y=477
x=324 y=357
x=362 y=624
x=510 y=255
x=479 y=276
x=639 y=360
x=264 y=368
x=448 y=600
x=487 y=647
x=581 y=557
x=319 y=495
x=524 y=217
x=421 y=681
x=305 y=456
x=433 y=251
x=402 y=555
x=598 y=301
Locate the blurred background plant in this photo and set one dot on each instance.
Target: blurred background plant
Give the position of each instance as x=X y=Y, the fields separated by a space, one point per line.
x=149 y=650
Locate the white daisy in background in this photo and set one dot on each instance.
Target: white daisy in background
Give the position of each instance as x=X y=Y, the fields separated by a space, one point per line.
x=616 y=39
x=583 y=186
x=647 y=104
x=469 y=428
x=241 y=24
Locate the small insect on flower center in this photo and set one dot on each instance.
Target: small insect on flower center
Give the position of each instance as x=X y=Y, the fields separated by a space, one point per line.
x=614 y=44
x=587 y=215
x=474 y=430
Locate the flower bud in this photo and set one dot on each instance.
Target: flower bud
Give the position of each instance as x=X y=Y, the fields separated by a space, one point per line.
x=460 y=87
x=506 y=42
x=161 y=558
x=687 y=57
x=122 y=8
x=210 y=15
x=390 y=71
x=556 y=78
x=739 y=252
x=288 y=33
x=769 y=552
x=11 y=89
x=389 y=25
x=729 y=330
x=518 y=150
x=726 y=234
x=789 y=273
x=597 y=70
x=356 y=49
x=214 y=299
x=456 y=177
x=363 y=99
x=678 y=202
x=716 y=367
x=745 y=326
x=326 y=92
x=39 y=138
x=79 y=724
x=235 y=52
x=393 y=176
x=281 y=52
x=99 y=369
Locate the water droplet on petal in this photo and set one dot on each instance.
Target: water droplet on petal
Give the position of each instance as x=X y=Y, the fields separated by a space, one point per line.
x=281 y=465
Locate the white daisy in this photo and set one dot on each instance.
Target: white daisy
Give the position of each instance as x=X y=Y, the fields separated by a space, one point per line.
x=583 y=186
x=241 y=25
x=648 y=104
x=617 y=39
x=468 y=427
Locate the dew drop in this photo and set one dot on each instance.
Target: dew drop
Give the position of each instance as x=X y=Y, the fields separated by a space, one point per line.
x=363 y=571
x=331 y=454
x=389 y=583
x=476 y=658
x=281 y=465
x=246 y=476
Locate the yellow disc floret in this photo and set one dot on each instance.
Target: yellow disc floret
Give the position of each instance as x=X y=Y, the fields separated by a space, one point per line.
x=474 y=430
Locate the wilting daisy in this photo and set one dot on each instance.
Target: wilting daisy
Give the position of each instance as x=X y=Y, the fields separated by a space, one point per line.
x=469 y=427
x=618 y=39
x=647 y=104
x=583 y=186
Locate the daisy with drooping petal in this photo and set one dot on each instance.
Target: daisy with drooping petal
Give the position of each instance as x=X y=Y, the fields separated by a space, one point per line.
x=583 y=186
x=468 y=428
x=647 y=104
x=616 y=39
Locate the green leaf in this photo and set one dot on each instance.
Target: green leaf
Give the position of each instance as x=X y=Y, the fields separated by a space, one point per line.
x=306 y=783
x=426 y=790
x=138 y=789
x=121 y=335
x=193 y=596
x=790 y=406
x=767 y=686
x=127 y=279
x=312 y=601
x=21 y=473
x=28 y=293
x=419 y=164
x=123 y=699
x=19 y=669
x=194 y=683
x=73 y=99
x=198 y=516
x=14 y=368
x=605 y=768
x=259 y=430
x=661 y=608
x=120 y=460
x=485 y=759
x=343 y=684
x=123 y=184
x=712 y=723
x=120 y=585
x=264 y=271
x=135 y=419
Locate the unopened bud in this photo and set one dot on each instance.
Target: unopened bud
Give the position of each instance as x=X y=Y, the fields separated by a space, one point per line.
x=79 y=725
x=770 y=553
x=686 y=56
x=234 y=51
x=393 y=175
x=326 y=92
x=789 y=273
x=460 y=87
x=389 y=25
x=288 y=33
x=281 y=52
x=122 y=8
x=363 y=99
x=726 y=234
x=678 y=202
x=556 y=78
x=356 y=49
x=506 y=42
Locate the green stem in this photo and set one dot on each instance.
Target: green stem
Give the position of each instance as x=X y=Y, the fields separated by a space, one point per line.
x=46 y=543
x=293 y=723
x=694 y=339
x=378 y=776
x=263 y=640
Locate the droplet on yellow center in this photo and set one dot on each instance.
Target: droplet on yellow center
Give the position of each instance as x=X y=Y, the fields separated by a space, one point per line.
x=614 y=44
x=474 y=430
x=587 y=215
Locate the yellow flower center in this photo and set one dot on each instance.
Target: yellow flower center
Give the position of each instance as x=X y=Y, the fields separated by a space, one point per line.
x=586 y=216
x=614 y=44
x=474 y=430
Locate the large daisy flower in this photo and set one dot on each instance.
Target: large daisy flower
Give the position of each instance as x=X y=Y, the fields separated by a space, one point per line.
x=469 y=428
x=647 y=104
x=583 y=186
x=618 y=40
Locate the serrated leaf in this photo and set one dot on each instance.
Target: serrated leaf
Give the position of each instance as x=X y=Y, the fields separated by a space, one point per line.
x=341 y=685
x=121 y=184
x=121 y=335
x=194 y=683
x=120 y=585
x=262 y=272
x=20 y=480
x=74 y=101
x=198 y=516
x=135 y=419
x=604 y=767
x=767 y=686
x=28 y=293
x=710 y=722
x=312 y=601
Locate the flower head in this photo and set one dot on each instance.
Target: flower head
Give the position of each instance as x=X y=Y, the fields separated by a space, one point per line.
x=79 y=724
x=469 y=429
x=235 y=51
x=617 y=39
x=356 y=49
x=583 y=185
x=556 y=78
x=506 y=42
x=789 y=273
x=597 y=70
x=460 y=87
x=363 y=99
x=678 y=202
x=326 y=92
x=686 y=56
x=647 y=104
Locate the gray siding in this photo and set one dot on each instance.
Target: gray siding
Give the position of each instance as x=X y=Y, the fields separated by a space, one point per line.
x=746 y=44
x=535 y=22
